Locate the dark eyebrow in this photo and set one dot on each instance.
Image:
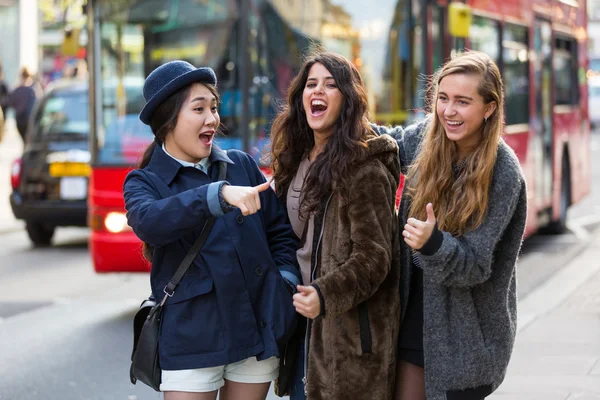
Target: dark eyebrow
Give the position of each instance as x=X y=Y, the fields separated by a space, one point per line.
x=201 y=98
x=314 y=79
x=458 y=97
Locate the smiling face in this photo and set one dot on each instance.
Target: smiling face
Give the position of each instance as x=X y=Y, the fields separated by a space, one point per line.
x=197 y=122
x=322 y=100
x=461 y=109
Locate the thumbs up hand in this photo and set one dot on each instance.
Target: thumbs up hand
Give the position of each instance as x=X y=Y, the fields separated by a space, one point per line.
x=416 y=233
x=307 y=302
x=245 y=198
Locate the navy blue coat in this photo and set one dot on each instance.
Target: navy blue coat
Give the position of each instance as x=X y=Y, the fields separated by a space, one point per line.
x=232 y=302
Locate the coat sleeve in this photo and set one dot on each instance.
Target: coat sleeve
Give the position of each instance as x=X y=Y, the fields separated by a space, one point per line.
x=159 y=221
x=371 y=211
x=283 y=242
x=467 y=260
x=408 y=140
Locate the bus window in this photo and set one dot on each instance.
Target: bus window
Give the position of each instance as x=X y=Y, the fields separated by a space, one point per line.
x=516 y=74
x=124 y=135
x=565 y=72
x=419 y=59
x=135 y=40
x=485 y=36
x=437 y=33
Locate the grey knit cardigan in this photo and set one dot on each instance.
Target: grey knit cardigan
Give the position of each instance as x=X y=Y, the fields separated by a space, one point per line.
x=469 y=282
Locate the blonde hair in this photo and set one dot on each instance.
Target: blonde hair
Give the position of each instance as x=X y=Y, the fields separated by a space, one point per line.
x=460 y=201
x=25 y=73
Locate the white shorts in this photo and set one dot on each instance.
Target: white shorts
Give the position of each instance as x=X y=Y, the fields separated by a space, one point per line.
x=210 y=379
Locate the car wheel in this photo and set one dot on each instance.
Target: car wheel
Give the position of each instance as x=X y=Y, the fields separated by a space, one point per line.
x=40 y=234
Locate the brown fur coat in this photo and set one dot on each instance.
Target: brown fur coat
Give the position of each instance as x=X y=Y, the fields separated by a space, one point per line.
x=352 y=346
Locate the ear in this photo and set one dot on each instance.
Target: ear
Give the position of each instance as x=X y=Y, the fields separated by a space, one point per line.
x=490 y=108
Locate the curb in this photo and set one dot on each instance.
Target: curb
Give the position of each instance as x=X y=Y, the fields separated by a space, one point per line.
x=562 y=285
x=11 y=229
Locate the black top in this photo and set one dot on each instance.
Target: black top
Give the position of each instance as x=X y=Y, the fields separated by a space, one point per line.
x=411 y=331
x=410 y=338
x=4 y=91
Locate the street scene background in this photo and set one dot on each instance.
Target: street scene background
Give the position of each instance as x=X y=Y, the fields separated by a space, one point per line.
x=66 y=331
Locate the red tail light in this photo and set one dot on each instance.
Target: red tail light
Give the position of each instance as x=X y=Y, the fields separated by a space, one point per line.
x=15 y=173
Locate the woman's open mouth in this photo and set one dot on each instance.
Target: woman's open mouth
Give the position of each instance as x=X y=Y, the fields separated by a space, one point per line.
x=317 y=108
x=454 y=124
x=207 y=137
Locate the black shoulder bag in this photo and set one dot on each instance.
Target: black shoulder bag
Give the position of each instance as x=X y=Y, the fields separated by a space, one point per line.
x=145 y=366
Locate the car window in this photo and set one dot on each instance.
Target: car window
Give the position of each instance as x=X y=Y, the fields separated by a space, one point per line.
x=63 y=114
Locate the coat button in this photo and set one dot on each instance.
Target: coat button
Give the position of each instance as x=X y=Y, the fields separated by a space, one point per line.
x=239 y=219
x=258 y=271
x=263 y=323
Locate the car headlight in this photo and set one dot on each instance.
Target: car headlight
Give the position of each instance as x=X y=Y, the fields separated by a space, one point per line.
x=115 y=222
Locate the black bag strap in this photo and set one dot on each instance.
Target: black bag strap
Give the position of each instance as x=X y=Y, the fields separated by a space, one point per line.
x=191 y=255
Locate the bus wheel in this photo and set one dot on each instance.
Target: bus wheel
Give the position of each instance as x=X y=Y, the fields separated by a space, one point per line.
x=39 y=234
x=560 y=225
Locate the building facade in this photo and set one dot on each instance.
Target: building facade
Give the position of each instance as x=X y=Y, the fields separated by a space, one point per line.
x=20 y=33
x=594 y=35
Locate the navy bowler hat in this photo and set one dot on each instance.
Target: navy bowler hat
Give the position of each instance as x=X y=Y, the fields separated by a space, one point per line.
x=169 y=78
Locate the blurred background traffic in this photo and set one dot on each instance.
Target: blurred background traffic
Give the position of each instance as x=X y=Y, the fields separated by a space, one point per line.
x=70 y=91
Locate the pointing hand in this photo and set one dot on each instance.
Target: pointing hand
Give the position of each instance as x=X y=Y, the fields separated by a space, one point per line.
x=245 y=198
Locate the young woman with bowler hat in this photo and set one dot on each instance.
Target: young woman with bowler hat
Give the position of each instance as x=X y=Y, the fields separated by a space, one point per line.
x=232 y=312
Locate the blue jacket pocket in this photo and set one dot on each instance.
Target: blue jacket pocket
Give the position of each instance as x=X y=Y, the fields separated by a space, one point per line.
x=281 y=306
x=190 y=286
x=192 y=321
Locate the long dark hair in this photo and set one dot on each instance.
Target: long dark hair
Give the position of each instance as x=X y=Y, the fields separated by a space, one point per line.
x=163 y=122
x=292 y=138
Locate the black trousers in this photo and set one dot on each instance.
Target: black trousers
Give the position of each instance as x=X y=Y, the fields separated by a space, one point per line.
x=478 y=393
x=415 y=357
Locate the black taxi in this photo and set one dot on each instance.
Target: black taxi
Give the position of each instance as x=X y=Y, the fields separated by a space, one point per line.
x=50 y=180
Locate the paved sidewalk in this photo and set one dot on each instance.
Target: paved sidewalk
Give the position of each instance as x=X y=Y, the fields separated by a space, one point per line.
x=557 y=352
x=11 y=148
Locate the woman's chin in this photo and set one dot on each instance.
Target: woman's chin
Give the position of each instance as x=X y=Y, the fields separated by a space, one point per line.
x=453 y=135
x=205 y=152
x=321 y=128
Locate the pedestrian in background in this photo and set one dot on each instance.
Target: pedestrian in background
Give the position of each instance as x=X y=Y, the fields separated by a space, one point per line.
x=232 y=312
x=22 y=99
x=4 y=92
x=463 y=212
x=339 y=180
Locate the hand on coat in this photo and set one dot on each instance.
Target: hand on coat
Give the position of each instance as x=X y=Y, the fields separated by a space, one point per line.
x=307 y=301
x=416 y=233
x=245 y=198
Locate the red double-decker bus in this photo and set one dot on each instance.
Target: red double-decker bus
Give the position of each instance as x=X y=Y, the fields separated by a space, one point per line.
x=541 y=49
x=255 y=47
